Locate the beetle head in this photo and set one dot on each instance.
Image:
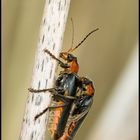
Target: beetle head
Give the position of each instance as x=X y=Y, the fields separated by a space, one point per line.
x=67 y=56
x=88 y=86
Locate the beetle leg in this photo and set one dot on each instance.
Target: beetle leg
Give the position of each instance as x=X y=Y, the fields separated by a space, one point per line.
x=64 y=65
x=49 y=108
x=41 y=90
x=53 y=91
x=64 y=97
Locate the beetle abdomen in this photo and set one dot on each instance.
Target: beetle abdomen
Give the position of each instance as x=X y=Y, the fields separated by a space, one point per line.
x=54 y=117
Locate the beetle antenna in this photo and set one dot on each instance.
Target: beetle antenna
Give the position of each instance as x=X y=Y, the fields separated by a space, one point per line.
x=48 y=52
x=72 y=35
x=71 y=50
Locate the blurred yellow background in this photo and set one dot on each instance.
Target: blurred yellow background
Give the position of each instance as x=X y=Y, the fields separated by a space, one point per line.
x=109 y=57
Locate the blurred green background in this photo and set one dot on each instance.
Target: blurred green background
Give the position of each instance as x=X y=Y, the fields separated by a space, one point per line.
x=102 y=57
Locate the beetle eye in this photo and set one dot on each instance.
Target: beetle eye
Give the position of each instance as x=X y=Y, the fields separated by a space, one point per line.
x=84 y=88
x=70 y=57
x=87 y=81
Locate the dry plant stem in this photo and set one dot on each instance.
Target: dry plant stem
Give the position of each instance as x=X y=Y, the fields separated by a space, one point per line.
x=51 y=37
